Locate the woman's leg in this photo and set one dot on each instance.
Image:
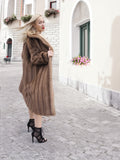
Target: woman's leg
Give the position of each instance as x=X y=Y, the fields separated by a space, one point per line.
x=37 y=132
x=38 y=121
x=31 y=114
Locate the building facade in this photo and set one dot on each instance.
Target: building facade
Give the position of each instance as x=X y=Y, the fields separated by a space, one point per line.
x=83 y=28
x=91 y=28
x=9 y=41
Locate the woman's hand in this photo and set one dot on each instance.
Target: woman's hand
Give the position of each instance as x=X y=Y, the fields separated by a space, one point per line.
x=50 y=53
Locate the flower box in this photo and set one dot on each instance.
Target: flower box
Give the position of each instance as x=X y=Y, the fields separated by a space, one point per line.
x=80 y=60
x=50 y=12
x=9 y=20
x=26 y=18
x=7 y=59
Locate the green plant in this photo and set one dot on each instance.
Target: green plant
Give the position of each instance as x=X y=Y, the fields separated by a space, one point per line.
x=8 y=20
x=50 y=12
x=26 y=18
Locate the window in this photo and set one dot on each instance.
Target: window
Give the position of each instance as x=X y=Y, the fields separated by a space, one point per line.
x=53 y=4
x=28 y=9
x=85 y=40
x=10 y=9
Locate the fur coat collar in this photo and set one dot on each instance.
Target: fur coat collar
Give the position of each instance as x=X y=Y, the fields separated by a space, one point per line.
x=39 y=36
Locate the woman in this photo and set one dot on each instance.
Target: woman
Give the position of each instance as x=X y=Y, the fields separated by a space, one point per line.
x=36 y=83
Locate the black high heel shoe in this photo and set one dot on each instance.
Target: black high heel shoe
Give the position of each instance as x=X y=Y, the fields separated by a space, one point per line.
x=37 y=132
x=31 y=124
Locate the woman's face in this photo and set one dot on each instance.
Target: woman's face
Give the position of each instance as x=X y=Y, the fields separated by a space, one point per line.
x=40 y=24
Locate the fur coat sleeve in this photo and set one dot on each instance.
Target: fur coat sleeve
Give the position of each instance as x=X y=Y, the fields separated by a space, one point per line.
x=37 y=55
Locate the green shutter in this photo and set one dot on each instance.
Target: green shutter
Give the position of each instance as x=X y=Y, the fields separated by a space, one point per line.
x=84 y=27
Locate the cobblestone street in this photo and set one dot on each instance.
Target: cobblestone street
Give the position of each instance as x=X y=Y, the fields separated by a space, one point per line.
x=82 y=129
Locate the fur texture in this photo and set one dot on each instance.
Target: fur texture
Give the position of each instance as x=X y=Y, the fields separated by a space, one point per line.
x=36 y=83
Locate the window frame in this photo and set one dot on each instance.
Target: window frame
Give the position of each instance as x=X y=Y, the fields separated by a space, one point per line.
x=52 y=2
x=26 y=7
x=82 y=39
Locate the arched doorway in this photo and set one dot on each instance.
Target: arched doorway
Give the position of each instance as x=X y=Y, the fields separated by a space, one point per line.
x=9 y=47
x=80 y=29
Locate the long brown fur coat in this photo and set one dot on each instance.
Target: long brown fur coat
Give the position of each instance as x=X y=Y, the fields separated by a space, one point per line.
x=36 y=83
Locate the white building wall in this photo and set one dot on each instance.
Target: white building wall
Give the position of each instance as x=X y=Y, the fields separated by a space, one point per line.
x=104 y=69
x=7 y=32
x=51 y=30
x=52 y=27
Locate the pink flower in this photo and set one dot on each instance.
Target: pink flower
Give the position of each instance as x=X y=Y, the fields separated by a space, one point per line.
x=81 y=60
x=78 y=59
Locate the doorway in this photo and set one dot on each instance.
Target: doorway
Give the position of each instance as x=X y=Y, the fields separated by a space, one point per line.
x=9 y=47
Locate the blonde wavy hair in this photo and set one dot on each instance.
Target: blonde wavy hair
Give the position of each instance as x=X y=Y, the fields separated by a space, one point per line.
x=28 y=28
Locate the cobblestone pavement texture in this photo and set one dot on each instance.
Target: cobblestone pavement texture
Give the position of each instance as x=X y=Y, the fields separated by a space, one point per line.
x=82 y=129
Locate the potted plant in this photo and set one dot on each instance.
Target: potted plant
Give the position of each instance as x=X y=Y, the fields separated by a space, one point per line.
x=26 y=18
x=51 y=11
x=7 y=58
x=9 y=20
x=80 y=60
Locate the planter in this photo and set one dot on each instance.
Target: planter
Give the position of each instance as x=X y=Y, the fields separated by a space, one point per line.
x=81 y=60
x=50 y=12
x=7 y=59
x=26 y=18
x=9 y=20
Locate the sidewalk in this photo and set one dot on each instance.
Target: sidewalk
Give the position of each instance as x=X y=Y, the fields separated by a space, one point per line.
x=82 y=129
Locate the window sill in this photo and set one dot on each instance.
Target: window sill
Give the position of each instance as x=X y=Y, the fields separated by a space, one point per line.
x=81 y=22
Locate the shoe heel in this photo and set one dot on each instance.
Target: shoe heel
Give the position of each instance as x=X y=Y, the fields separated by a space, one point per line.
x=32 y=138
x=28 y=128
x=37 y=133
x=30 y=124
